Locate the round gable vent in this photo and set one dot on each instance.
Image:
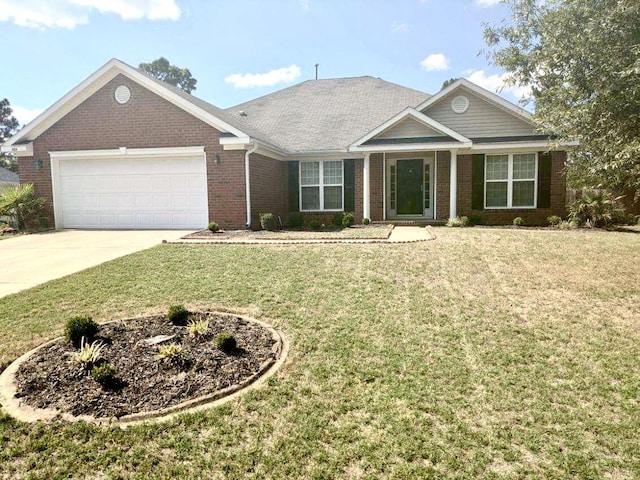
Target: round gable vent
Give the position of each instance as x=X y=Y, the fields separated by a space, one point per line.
x=460 y=104
x=123 y=94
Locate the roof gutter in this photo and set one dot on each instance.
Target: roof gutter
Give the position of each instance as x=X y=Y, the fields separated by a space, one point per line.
x=247 y=182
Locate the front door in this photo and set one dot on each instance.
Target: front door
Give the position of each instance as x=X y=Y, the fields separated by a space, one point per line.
x=410 y=187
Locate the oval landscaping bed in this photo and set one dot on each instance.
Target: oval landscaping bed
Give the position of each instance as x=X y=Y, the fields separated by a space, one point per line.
x=159 y=368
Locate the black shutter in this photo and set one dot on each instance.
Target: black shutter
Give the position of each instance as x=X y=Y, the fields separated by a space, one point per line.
x=544 y=180
x=349 y=185
x=477 y=182
x=294 y=190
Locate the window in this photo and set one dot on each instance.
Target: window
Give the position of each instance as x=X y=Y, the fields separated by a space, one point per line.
x=510 y=180
x=321 y=185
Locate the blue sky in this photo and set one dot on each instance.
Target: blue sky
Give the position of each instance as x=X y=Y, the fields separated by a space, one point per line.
x=242 y=49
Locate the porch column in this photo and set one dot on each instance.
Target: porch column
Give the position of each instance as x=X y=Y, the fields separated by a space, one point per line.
x=366 y=201
x=453 y=184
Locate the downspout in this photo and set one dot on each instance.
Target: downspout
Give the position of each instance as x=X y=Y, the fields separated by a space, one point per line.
x=248 y=182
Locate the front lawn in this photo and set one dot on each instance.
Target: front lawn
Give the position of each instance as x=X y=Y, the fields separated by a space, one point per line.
x=486 y=353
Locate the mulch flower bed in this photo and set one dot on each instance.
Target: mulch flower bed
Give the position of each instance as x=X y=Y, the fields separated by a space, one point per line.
x=50 y=378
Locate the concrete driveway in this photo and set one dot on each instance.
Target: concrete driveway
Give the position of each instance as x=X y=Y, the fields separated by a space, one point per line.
x=30 y=260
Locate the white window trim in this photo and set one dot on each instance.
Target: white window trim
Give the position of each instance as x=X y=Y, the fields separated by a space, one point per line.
x=510 y=181
x=320 y=186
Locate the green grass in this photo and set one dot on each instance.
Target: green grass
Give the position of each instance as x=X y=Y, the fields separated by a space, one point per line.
x=486 y=353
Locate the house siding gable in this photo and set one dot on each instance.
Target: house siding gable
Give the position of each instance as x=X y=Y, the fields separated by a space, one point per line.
x=409 y=128
x=482 y=118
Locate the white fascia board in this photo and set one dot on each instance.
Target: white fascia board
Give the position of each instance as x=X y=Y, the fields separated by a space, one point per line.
x=481 y=92
x=235 y=140
x=98 y=80
x=22 y=150
x=130 y=152
x=416 y=115
x=414 y=147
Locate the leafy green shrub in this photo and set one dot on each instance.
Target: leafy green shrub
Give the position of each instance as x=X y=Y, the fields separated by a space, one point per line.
x=214 y=227
x=620 y=217
x=104 y=374
x=169 y=353
x=366 y=221
x=348 y=220
x=296 y=220
x=337 y=219
x=20 y=203
x=475 y=219
x=314 y=225
x=198 y=328
x=458 y=222
x=178 y=315
x=78 y=328
x=268 y=222
x=554 y=220
x=89 y=354
x=518 y=221
x=226 y=342
x=568 y=225
x=594 y=209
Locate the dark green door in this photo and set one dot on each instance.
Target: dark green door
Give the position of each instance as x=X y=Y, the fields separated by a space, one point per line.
x=410 y=201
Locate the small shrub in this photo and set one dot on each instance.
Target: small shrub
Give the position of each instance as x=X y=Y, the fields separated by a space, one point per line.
x=475 y=219
x=314 y=225
x=169 y=353
x=89 y=354
x=337 y=219
x=268 y=221
x=366 y=221
x=455 y=222
x=465 y=221
x=518 y=221
x=20 y=203
x=554 y=220
x=198 y=328
x=178 y=315
x=214 y=227
x=104 y=374
x=348 y=220
x=226 y=342
x=568 y=225
x=78 y=328
x=296 y=220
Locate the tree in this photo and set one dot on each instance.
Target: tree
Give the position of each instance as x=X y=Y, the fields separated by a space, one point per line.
x=163 y=70
x=581 y=59
x=446 y=83
x=8 y=126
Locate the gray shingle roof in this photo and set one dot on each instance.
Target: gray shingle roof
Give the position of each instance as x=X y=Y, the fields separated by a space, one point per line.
x=7 y=176
x=324 y=114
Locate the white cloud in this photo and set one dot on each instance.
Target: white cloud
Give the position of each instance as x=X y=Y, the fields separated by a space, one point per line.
x=486 y=3
x=249 y=80
x=496 y=83
x=306 y=5
x=25 y=115
x=399 y=27
x=435 y=61
x=70 y=13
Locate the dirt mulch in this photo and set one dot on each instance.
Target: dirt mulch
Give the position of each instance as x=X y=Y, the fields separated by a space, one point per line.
x=50 y=379
x=355 y=232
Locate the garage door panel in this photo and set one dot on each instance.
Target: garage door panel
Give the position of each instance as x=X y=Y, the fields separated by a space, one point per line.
x=138 y=193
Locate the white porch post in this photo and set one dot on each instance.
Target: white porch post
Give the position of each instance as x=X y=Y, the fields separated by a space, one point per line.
x=366 y=201
x=453 y=184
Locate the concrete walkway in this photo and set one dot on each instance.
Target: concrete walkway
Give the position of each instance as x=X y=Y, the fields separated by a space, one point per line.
x=410 y=234
x=29 y=260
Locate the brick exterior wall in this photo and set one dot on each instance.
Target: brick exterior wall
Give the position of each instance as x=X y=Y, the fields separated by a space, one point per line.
x=146 y=121
x=269 y=188
x=537 y=216
x=376 y=186
x=443 y=162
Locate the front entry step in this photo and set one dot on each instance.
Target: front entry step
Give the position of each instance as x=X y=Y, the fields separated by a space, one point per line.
x=401 y=223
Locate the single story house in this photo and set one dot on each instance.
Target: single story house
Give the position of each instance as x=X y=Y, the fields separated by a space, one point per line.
x=124 y=150
x=8 y=178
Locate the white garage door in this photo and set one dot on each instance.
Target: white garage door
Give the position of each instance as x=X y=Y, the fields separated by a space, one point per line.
x=133 y=193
